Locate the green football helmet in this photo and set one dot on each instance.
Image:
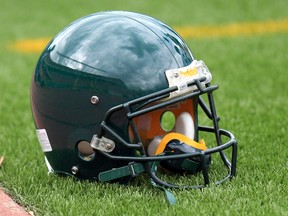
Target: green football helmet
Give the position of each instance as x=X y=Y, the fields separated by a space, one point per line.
x=116 y=94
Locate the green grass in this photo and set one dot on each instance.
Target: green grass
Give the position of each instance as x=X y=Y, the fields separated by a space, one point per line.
x=252 y=101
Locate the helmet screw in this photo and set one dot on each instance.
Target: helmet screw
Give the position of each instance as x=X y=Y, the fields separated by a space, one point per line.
x=176 y=75
x=108 y=146
x=74 y=170
x=94 y=100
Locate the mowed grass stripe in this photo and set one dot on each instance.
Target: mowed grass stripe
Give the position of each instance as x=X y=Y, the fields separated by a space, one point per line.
x=229 y=30
x=30 y=45
x=234 y=29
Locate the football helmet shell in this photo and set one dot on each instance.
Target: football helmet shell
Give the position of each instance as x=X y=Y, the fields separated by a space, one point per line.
x=99 y=94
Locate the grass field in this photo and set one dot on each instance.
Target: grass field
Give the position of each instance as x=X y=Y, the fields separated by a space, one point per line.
x=252 y=101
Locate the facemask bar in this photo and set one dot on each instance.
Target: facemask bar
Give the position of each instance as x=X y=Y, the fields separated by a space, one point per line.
x=148 y=162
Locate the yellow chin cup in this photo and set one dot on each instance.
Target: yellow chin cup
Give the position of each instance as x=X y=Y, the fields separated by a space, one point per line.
x=170 y=136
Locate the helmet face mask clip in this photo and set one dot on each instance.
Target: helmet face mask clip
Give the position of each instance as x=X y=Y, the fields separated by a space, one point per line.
x=112 y=113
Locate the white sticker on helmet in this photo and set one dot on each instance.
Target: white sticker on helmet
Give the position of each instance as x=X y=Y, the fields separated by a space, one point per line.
x=44 y=140
x=181 y=76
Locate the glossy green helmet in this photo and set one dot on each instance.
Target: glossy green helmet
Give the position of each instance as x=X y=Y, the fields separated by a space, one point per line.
x=116 y=94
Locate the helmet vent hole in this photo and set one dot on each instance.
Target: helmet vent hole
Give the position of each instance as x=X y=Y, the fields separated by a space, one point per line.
x=167 y=120
x=85 y=150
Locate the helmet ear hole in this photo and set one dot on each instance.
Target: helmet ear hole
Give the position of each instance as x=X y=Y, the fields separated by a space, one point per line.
x=85 y=150
x=167 y=121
